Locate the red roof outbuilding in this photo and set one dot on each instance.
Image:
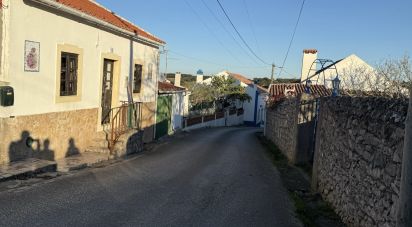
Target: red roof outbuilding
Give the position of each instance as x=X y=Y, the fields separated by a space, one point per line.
x=165 y=87
x=276 y=90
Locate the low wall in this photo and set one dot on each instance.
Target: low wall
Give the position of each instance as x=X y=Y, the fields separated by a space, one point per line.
x=357 y=166
x=56 y=135
x=130 y=143
x=208 y=121
x=235 y=119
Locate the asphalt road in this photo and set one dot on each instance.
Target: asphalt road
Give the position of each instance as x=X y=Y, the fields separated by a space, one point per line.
x=211 y=177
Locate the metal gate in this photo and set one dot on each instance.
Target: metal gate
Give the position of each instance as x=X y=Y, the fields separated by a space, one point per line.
x=307 y=123
x=163 y=116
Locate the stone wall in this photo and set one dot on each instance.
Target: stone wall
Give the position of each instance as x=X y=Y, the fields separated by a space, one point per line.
x=129 y=143
x=290 y=125
x=281 y=126
x=358 y=155
x=56 y=135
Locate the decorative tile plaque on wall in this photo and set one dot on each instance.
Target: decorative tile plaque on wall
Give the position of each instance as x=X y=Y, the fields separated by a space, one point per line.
x=31 y=56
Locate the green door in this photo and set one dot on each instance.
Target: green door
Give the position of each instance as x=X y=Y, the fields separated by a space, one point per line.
x=164 y=114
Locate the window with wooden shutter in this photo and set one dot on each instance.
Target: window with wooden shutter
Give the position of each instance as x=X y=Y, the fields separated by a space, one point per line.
x=68 y=74
x=137 y=78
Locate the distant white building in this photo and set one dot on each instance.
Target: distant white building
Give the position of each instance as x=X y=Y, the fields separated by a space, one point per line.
x=254 y=110
x=354 y=73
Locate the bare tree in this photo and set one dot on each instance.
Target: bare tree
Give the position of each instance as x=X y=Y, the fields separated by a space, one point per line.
x=391 y=78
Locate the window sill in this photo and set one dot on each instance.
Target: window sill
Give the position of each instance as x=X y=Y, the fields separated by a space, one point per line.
x=64 y=99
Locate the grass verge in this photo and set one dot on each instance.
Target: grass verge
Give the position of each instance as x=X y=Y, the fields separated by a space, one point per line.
x=310 y=208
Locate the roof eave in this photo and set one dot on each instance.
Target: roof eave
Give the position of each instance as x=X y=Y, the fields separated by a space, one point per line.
x=79 y=14
x=170 y=92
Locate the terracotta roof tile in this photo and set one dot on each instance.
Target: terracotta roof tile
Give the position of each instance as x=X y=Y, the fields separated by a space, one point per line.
x=165 y=87
x=241 y=78
x=279 y=89
x=247 y=81
x=93 y=9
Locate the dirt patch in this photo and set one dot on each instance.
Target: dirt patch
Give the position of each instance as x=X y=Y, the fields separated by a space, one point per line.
x=310 y=208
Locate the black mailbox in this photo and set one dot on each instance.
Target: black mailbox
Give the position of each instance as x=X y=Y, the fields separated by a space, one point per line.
x=6 y=96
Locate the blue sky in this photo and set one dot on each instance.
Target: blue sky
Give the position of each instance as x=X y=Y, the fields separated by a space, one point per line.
x=374 y=30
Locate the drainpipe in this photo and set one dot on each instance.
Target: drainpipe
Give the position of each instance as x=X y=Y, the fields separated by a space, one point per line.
x=156 y=92
x=130 y=84
x=131 y=67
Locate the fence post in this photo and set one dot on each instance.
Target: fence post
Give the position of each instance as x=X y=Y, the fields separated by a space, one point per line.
x=404 y=217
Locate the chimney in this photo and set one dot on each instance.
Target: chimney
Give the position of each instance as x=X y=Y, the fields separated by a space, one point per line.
x=199 y=76
x=178 y=78
x=309 y=56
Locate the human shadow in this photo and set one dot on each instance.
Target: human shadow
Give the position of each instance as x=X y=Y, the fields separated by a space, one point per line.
x=72 y=150
x=27 y=147
x=21 y=149
x=46 y=153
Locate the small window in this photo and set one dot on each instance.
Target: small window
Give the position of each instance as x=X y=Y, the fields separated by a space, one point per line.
x=68 y=74
x=137 y=78
x=150 y=71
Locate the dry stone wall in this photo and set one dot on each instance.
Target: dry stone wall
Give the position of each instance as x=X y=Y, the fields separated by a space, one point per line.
x=281 y=126
x=357 y=166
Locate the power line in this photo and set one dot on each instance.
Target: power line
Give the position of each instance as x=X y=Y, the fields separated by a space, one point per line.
x=213 y=63
x=224 y=28
x=290 y=74
x=211 y=32
x=240 y=36
x=293 y=36
x=251 y=26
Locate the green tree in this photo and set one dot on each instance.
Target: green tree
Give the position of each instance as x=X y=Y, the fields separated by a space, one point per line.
x=200 y=93
x=227 y=92
x=265 y=82
x=220 y=93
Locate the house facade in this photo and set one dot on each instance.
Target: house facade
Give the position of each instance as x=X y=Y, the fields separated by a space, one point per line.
x=69 y=63
x=354 y=73
x=254 y=110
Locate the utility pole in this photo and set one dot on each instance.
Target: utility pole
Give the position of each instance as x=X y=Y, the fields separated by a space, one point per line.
x=273 y=74
x=405 y=200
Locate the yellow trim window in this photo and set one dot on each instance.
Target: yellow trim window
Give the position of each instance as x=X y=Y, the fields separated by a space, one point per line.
x=69 y=73
x=137 y=78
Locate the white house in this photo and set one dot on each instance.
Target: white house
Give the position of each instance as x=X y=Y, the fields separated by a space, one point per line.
x=354 y=73
x=70 y=63
x=254 y=110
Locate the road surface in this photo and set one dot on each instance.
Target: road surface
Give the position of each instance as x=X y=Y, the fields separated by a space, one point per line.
x=211 y=177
